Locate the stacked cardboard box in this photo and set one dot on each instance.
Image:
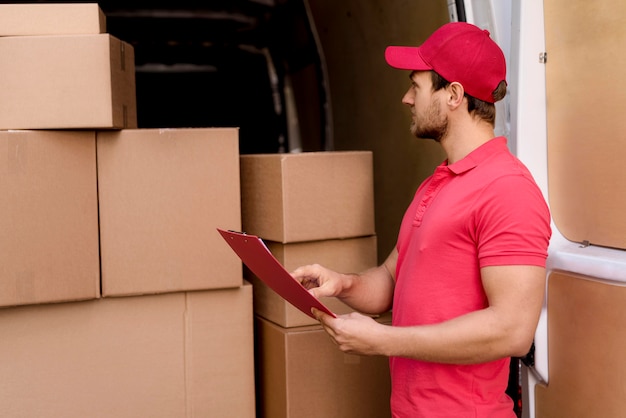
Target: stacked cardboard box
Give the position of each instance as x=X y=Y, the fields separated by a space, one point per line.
x=301 y=373
x=61 y=70
x=49 y=246
x=315 y=207
x=118 y=296
x=162 y=194
x=184 y=354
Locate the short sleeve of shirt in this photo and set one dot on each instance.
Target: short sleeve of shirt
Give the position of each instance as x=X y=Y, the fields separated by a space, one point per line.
x=512 y=224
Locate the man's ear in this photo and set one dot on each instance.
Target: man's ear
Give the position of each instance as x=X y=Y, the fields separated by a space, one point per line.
x=456 y=94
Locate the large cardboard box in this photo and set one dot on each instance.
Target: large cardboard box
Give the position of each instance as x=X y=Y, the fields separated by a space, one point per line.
x=67 y=82
x=302 y=374
x=51 y=19
x=162 y=194
x=172 y=355
x=308 y=196
x=48 y=217
x=351 y=255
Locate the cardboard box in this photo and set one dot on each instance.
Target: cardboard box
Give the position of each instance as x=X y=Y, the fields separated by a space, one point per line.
x=162 y=194
x=51 y=19
x=173 y=355
x=302 y=374
x=48 y=217
x=67 y=82
x=344 y=255
x=308 y=196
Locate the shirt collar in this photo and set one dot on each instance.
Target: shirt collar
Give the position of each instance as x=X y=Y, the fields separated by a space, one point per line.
x=479 y=155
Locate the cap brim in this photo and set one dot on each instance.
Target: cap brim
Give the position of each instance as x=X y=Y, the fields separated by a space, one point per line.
x=405 y=58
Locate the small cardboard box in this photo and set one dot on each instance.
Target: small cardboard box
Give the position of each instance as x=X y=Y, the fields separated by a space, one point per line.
x=67 y=82
x=302 y=374
x=51 y=19
x=308 y=196
x=49 y=250
x=162 y=194
x=172 y=355
x=351 y=255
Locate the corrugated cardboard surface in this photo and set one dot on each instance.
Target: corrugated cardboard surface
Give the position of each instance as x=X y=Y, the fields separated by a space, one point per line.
x=163 y=193
x=586 y=340
x=308 y=196
x=49 y=250
x=51 y=19
x=67 y=82
x=347 y=256
x=586 y=92
x=302 y=374
x=173 y=355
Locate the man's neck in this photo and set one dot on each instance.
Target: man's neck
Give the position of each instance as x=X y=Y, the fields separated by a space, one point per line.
x=466 y=138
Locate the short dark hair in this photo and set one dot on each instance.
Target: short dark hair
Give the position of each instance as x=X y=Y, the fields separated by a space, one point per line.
x=482 y=109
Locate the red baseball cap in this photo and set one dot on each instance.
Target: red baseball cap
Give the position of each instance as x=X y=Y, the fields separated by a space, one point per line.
x=457 y=51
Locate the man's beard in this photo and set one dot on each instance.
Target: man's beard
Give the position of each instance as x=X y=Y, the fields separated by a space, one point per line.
x=432 y=126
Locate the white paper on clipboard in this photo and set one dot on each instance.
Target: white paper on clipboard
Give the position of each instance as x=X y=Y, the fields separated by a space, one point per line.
x=258 y=258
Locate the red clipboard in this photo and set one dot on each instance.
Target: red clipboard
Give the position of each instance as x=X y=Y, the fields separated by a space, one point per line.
x=258 y=258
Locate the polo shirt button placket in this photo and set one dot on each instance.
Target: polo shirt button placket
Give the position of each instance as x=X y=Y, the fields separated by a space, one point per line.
x=440 y=178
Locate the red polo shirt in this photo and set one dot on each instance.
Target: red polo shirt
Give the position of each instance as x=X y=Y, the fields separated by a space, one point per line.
x=484 y=210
